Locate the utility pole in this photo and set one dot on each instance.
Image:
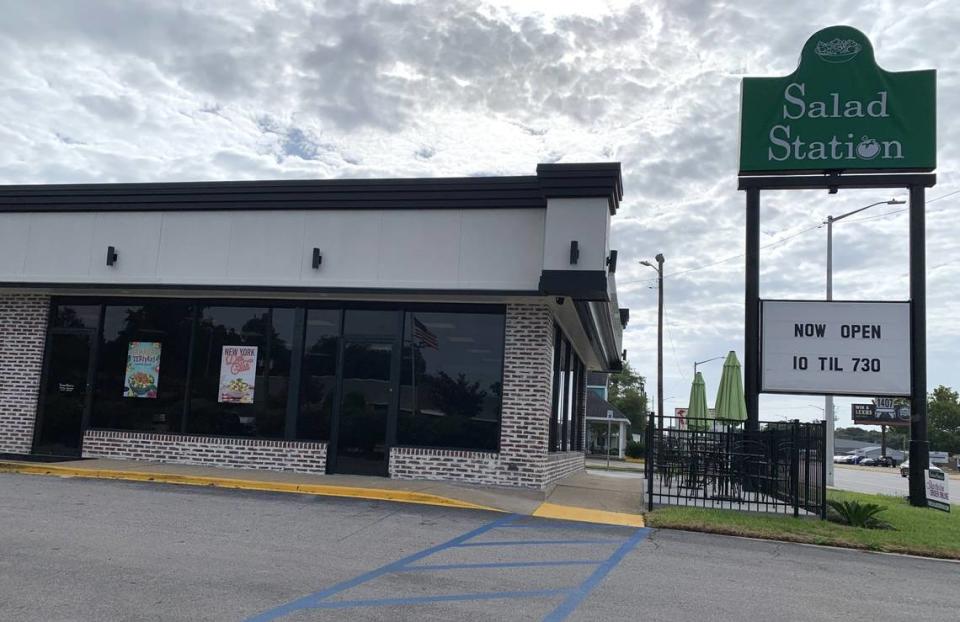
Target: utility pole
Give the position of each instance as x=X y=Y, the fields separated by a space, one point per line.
x=659 y=269
x=828 y=400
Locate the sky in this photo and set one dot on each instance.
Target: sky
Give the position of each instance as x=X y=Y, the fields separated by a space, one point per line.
x=150 y=90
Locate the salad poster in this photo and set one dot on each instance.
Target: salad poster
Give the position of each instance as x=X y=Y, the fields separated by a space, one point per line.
x=143 y=369
x=238 y=371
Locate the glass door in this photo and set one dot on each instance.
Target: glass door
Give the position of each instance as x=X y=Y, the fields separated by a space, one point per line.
x=66 y=393
x=366 y=401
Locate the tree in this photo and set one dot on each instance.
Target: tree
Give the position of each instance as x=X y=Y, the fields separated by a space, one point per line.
x=943 y=420
x=625 y=390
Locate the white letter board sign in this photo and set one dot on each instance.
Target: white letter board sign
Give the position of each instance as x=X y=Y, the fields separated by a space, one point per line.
x=835 y=348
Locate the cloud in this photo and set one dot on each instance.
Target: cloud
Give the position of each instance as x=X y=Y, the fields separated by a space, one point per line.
x=162 y=91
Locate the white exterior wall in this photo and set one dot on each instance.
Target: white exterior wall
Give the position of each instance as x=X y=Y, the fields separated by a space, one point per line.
x=429 y=249
x=585 y=220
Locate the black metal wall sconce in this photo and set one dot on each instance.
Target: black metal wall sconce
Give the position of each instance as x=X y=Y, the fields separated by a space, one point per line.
x=317 y=259
x=111 y=256
x=574 y=252
x=612 y=262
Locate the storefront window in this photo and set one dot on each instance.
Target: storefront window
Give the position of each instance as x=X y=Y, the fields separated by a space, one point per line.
x=371 y=323
x=234 y=356
x=319 y=374
x=568 y=376
x=229 y=369
x=451 y=380
x=142 y=368
x=76 y=316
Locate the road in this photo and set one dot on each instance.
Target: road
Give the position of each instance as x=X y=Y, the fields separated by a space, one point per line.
x=99 y=550
x=881 y=481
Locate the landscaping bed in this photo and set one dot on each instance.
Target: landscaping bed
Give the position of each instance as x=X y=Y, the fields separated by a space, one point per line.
x=916 y=531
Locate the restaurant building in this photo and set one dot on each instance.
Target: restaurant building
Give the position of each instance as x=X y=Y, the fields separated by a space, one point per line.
x=437 y=328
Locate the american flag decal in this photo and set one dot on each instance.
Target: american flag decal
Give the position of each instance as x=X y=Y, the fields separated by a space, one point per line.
x=422 y=334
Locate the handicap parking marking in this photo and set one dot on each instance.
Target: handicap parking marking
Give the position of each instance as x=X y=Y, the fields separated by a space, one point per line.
x=574 y=594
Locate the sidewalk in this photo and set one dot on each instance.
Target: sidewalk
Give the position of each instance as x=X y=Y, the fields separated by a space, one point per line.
x=583 y=496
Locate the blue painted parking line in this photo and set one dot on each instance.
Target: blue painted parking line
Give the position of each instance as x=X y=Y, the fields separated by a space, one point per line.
x=574 y=594
x=523 y=542
x=310 y=600
x=446 y=598
x=571 y=562
x=578 y=594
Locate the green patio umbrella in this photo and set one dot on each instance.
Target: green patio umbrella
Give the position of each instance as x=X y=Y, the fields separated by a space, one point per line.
x=697 y=412
x=730 y=405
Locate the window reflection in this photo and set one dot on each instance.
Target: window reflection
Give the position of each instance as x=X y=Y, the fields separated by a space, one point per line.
x=566 y=422
x=250 y=327
x=76 y=316
x=319 y=374
x=451 y=380
x=166 y=323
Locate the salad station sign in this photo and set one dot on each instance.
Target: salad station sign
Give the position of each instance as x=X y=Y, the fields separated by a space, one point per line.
x=238 y=372
x=839 y=122
x=143 y=369
x=838 y=111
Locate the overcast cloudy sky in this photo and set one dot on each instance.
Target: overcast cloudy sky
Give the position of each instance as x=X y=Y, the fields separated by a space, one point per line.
x=163 y=91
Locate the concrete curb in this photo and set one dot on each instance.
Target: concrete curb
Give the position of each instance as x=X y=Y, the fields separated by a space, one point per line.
x=544 y=510
x=588 y=515
x=378 y=494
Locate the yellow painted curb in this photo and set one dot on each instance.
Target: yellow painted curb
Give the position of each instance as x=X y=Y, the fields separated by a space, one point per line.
x=325 y=490
x=586 y=515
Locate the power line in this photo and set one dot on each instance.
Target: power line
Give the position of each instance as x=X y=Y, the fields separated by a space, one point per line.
x=726 y=259
x=782 y=240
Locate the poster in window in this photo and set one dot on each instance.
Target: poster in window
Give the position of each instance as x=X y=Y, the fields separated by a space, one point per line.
x=143 y=370
x=238 y=371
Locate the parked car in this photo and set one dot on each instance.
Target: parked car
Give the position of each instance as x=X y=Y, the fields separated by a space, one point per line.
x=869 y=462
x=905 y=469
x=886 y=461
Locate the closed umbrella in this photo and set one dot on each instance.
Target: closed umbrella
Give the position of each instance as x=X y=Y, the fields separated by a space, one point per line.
x=697 y=412
x=696 y=422
x=730 y=405
x=731 y=409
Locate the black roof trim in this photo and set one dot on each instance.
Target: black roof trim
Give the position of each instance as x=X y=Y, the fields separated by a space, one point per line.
x=252 y=289
x=552 y=180
x=594 y=179
x=578 y=284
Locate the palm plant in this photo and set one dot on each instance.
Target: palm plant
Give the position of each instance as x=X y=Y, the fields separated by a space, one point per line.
x=858 y=514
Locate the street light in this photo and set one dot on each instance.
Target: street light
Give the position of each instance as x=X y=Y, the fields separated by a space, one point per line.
x=828 y=400
x=696 y=363
x=659 y=269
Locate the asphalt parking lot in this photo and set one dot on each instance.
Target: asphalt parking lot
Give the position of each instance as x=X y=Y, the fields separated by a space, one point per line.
x=74 y=549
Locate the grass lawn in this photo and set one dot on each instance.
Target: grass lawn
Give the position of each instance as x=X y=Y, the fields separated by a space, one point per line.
x=918 y=531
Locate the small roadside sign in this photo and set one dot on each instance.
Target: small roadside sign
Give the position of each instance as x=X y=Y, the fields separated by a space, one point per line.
x=885 y=407
x=938 y=494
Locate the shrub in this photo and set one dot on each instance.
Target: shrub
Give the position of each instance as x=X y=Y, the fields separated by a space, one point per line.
x=858 y=514
x=634 y=449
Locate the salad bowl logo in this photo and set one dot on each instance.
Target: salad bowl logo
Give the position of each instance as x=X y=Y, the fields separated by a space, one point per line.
x=868 y=148
x=837 y=50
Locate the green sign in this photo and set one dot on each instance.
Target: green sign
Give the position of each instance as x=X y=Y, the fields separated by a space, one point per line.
x=839 y=111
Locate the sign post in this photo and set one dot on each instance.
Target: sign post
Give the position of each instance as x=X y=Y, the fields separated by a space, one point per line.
x=609 y=438
x=836 y=117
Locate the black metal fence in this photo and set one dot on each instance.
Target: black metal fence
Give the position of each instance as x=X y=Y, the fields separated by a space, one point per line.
x=719 y=464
